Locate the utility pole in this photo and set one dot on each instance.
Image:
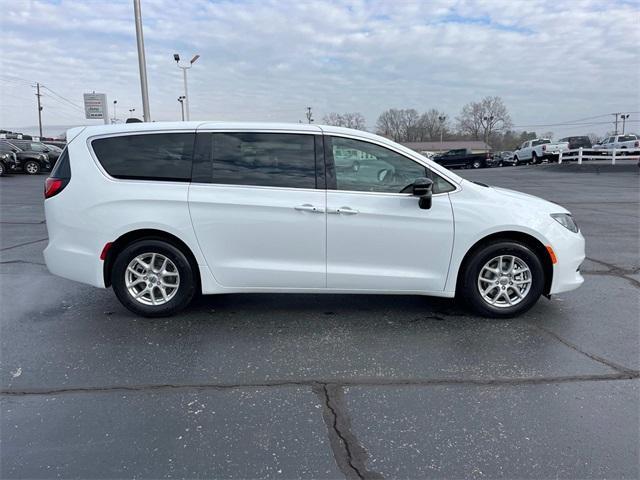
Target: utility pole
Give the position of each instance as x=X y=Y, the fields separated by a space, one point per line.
x=624 y=121
x=142 y=64
x=38 y=95
x=309 y=115
x=616 y=114
x=114 y=111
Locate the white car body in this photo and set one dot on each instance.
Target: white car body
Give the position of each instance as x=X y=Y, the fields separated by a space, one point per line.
x=540 y=149
x=629 y=143
x=257 y=239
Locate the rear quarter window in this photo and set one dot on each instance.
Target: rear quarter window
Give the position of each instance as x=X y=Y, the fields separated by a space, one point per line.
x=152 y=156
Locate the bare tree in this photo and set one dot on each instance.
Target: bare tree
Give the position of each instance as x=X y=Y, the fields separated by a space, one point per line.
x=433 y=123
x=389 y=124
x=401 y=125
x=482 y=119
x=349 y=120
x=594 y=137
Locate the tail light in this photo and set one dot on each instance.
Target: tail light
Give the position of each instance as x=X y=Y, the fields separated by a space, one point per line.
x=60 y=176
x=53 y=186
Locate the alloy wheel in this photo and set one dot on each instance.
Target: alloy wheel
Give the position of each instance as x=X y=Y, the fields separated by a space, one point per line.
x=504 y=281
x=152 y=279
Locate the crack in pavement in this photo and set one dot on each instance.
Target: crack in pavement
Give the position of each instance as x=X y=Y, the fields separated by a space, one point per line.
x=614 y=271
x=23 y=244
x=350 y=456
x=355 y=382
x=596 y=358
x=6 y=262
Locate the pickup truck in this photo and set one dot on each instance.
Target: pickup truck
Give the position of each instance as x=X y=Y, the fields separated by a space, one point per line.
x=538 y=150
x=462 y=157
x=628 y=143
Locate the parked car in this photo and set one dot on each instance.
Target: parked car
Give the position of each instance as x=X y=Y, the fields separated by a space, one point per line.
x=500 y=159
x=56 y=143
x=8 y=163
x=462 y=157
x=31 y=145
x=261 y=208
x=29 y=161
x=538 y=150
x=577 y=142
x=628 y=143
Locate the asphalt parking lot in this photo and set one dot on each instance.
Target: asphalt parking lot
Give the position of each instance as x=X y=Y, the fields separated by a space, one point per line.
x=327 y=386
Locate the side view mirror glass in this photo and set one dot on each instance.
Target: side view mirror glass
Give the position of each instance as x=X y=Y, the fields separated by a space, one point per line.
x=423 y=188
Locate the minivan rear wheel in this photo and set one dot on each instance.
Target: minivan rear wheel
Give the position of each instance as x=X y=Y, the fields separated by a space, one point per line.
x=153 y=278
x=503 y=279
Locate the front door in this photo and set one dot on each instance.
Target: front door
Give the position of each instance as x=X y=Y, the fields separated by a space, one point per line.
x=378 y=239
x=258 y=216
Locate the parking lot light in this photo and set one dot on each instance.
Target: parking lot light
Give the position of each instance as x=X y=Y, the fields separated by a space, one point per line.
x=184 y=68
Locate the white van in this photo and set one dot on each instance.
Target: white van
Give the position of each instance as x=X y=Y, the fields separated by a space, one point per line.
x=162 y=211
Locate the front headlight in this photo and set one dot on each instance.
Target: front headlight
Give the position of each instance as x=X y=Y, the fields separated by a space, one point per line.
x=566 y=220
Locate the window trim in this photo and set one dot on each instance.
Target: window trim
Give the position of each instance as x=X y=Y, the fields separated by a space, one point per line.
x=332 y=186
x=89 y=143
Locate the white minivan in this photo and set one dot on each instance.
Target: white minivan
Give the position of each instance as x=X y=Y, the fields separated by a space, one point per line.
x=163 y=211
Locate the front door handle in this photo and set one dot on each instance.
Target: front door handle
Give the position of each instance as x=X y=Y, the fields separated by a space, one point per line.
x=307 y=207
x=344 y=211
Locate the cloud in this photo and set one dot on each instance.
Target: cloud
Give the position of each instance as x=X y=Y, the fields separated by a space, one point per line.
x=551 y=61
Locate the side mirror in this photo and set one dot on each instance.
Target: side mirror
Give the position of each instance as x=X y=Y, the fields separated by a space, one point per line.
x=423 y=188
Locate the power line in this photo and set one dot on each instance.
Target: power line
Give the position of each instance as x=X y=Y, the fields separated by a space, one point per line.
x=78 y=107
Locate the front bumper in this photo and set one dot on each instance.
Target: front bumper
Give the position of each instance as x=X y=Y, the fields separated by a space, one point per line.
x=569 y=248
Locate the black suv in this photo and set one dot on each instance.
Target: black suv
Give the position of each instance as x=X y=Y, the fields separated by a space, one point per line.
x=8 y=163
x=33 y=146
x=29 y=161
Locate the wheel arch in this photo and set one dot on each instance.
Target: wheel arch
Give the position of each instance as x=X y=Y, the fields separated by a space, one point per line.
x=532 y=242
x=150 y=234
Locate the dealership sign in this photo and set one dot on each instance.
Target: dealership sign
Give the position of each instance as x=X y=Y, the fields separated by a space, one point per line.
x=95 y=106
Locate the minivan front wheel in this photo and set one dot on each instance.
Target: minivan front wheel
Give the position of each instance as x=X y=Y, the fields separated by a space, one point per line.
x=503 y=279
x=153 y=278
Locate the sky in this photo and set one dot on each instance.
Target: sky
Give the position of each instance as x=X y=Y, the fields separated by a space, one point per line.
x=551 y=61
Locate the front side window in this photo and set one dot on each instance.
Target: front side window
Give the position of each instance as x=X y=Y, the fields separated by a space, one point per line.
x=153 y=156
x=264 y=159
x=366 y=167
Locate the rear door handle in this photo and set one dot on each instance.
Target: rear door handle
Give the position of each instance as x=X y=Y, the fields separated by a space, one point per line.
x=307 y=207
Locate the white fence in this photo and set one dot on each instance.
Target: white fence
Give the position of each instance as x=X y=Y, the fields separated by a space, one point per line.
x=613 y=155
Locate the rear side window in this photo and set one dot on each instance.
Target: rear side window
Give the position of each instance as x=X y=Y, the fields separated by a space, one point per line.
x=264 y=159
x=154 y=156
x=62 y=168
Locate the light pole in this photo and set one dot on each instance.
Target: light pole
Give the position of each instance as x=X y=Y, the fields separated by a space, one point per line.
x=114 y=111
x=486 y=130
x=184 y=68
x=142 y=63
x=624 y=121
x=181 y=100
x=442 y=119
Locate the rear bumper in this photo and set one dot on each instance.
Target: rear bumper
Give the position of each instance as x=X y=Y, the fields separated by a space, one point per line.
x=66 y=262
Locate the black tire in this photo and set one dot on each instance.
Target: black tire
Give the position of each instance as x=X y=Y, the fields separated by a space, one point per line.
x=187 y=280
x=476 y=164
x=469 y=288
x=515 y=161
x=31 y=167
x=2 y=169
x=534 y=158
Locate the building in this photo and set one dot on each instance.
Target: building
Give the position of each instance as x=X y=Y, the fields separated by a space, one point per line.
x=476 y=146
